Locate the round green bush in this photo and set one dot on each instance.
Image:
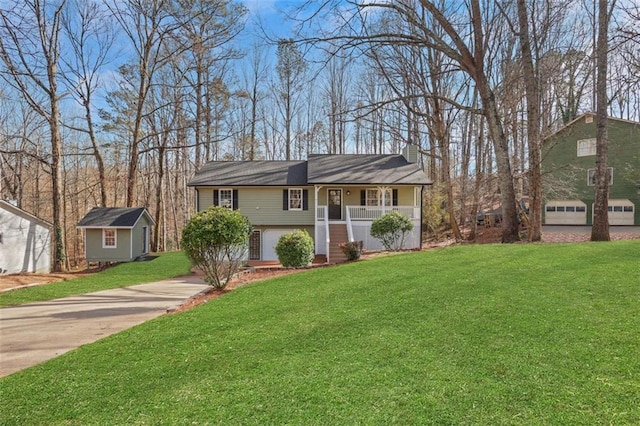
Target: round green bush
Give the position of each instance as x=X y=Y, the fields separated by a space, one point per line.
x=391 y=229
x=215 y=241
x=295 y=249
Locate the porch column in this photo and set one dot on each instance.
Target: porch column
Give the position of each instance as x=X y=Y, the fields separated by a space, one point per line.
x=316 y=189
x=383 y=191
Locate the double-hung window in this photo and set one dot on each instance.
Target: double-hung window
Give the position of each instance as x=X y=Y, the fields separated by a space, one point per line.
x=109 y=238
x=586 y=147
x=591 y=176
x=374 y=197
x=295 y=198
x=225 y=198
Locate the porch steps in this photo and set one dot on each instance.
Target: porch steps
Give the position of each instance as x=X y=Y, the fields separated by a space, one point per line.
x=337 y=236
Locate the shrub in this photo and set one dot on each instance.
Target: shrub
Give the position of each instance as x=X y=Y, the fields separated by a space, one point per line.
x=295 y=249
x=352 y=249
x=391 y=229
x=215 y=241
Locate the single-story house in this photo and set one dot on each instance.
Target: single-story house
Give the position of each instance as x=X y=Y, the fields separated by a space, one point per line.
x=25 y=241
x=333 y=197
x=113 y=234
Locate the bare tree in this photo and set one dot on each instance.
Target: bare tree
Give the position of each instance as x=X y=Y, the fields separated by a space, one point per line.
x=533 y=123
x=30 y=50
x=471 y=54
x=600 y=228
x=148 y=25
x=290 y=68
x=91 y=37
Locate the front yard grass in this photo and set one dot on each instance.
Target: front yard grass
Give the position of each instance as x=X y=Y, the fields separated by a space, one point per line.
x=165 y=265
x=488 y=334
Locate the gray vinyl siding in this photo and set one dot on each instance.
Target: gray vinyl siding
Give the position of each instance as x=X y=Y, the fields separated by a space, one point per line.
x=405 y=194
x=263 y=205
x=138 y=236
x=95 y=252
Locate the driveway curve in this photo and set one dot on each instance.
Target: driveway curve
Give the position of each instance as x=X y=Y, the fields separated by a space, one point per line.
x=36 y=332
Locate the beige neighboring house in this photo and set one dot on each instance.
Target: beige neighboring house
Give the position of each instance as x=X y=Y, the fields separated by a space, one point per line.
x=114 y=234
x=25 y=241
x=333 y=197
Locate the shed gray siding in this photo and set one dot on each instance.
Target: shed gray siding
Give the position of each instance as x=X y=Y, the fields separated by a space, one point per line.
x=138 y=237
x=96 y=253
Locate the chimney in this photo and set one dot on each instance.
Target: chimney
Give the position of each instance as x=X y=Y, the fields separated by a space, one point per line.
x=410 y=152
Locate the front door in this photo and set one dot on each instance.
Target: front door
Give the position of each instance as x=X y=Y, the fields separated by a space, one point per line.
x=335 y=204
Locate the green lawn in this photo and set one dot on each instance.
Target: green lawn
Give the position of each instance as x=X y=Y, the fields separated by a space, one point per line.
x=488 y=334
x=166 y=265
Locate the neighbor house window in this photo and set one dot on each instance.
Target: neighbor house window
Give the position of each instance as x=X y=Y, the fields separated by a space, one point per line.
x=374 y=197
x=109 y=239
x=586 y=147
x=225 y=198
x=295 y=198
x=591 y=176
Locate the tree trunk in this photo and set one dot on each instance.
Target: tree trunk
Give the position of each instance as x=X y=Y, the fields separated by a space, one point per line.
x=600 y=228
x=501 y=150
x=533 y=126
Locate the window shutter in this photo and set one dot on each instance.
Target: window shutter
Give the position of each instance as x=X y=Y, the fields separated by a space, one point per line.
x=363 y=197
x=394 y=196
x=235 y=199
x=215 y=197
x=305 y=199
x=285 y=199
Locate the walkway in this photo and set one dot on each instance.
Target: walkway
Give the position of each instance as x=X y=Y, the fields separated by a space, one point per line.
x=36 y=332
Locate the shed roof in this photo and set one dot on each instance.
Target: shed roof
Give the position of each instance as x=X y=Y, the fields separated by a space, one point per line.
x=113 y=217
x=251 y=173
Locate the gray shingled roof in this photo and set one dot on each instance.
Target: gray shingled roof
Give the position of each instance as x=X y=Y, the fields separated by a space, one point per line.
x=116 y=217
x=251 y=173
x=364 y=169
x=347 y=169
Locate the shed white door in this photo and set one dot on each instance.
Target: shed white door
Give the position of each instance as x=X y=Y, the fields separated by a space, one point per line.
x=565 y=212
x=270 y=238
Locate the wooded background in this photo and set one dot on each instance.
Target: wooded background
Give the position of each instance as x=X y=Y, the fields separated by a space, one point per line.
x=117 y=103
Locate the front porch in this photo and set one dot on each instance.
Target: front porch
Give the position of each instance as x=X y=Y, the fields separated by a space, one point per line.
x=356 y=226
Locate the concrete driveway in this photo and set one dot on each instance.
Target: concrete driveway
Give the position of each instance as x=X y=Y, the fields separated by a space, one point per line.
x=36 y=332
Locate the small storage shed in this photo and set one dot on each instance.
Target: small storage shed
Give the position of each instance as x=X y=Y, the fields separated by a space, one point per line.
x=113 y=234
x=25 y=241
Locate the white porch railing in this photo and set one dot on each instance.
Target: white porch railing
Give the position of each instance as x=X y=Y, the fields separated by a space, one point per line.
x=326 y=230
x=349 y=226
x=370 y=213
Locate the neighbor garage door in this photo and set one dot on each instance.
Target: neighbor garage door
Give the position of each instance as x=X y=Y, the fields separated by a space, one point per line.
x=621 y=212
x=565 y=212
x=270 y=238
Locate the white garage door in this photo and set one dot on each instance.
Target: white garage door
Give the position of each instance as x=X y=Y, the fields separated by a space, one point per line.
x=621 y=212
x=565 y=212
x=270 y=238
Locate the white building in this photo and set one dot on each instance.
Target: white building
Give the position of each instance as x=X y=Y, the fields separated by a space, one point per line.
x=25 y=241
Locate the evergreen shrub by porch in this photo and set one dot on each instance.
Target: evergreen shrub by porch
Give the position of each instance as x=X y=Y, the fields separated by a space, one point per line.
x=352 y=249
x=215 y=241
x=295 y=249
x=391 y=229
